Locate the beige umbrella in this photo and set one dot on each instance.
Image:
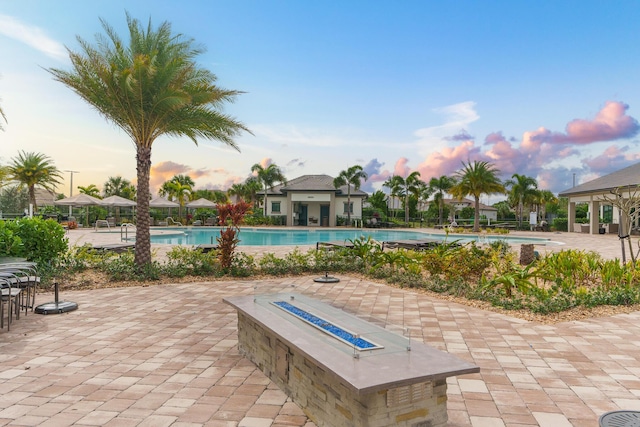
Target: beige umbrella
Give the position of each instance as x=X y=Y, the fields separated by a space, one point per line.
x=201 y=203
x=79 y=200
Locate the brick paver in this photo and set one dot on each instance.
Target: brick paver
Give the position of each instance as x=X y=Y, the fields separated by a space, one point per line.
x=166 y=355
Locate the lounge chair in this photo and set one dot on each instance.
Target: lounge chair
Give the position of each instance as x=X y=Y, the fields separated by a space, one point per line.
x=115 y=247
x=171 y=221
x=210 y=221
x=334 y=244
x=414 y=244
x=207 y=248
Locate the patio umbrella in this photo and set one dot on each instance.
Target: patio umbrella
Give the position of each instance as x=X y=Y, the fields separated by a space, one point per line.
x=161 y=202
x=118 y=202
x=79 y=200
x=201 y=203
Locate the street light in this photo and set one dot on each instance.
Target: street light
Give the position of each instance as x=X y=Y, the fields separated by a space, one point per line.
x=71 y=190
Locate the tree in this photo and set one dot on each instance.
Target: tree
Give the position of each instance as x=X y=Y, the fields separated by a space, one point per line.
x=34 y=169
x=522 y=189
x=217 y=196
x=476 y=179
x=352 y=176
x=149 y=87
x=404 y=187
x=544 y=198
x=378 y=200
x=179 y=188
x=268 y=177
x=118 y=186
x=440 y=186
x=90 y=190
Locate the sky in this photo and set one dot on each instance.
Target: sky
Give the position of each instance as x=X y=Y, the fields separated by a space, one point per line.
x=546 y=89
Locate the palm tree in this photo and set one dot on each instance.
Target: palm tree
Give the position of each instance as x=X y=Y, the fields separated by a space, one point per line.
x=440 y=186
x=352 y=176
x=179 y=188
x=268 y=177
x=475 y=179
x=545 y=197
x=90 y=190
x=118 y=186
x=405 y=187
x=378 y=200
x=149 y=87
x=522 y=189
x=31 y=169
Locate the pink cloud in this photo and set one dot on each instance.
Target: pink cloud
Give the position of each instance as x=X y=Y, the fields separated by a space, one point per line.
x=401 y=167
x=611 y=123
x=447 y=161
x=611 y=159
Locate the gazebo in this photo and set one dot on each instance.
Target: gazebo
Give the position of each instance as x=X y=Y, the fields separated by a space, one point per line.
x=596 y=192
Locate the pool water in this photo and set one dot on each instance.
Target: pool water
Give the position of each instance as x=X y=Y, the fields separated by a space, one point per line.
x=293 y=237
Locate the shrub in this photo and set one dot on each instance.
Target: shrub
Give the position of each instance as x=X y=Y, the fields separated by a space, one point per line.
x=37 y=239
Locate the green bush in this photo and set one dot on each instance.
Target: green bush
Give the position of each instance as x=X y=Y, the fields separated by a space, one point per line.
x=560 y=224
x=37 y=239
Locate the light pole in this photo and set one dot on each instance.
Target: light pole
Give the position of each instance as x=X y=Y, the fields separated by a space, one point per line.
x=574 y=179
x=71 y=190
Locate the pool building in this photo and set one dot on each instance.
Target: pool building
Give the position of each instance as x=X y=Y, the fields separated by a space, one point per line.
x=313 y=201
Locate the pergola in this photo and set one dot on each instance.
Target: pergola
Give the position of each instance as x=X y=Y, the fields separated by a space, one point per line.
x=596 y=192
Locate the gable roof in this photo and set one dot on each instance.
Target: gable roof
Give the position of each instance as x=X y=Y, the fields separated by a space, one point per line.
x=622 y=178
x=323 y=183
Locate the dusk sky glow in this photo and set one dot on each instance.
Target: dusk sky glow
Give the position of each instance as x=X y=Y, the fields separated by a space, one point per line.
x=546 y=89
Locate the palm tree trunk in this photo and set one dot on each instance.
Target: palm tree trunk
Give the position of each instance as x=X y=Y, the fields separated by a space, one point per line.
x=476 y=216
x=143 y=236
x=348 y=205
x=32 y=197
x=406 y=208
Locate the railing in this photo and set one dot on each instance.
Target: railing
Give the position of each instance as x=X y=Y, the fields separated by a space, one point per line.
x=124 y=231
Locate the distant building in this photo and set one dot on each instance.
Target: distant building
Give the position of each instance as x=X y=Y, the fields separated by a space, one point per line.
x=488 y=212
x=594 y=193
x=313 y=201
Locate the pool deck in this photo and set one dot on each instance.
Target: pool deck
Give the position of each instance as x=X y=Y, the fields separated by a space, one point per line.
x=608 y=245
x=166 y=355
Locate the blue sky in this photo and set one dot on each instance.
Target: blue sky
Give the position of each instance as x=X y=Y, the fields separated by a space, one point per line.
x=548 y=89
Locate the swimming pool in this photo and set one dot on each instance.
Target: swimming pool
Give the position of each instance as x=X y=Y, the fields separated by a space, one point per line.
x=280 y=237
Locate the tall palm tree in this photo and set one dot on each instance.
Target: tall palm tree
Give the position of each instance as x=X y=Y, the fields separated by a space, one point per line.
x=406 y=187
x=150 y=86
x=352 y=176
x=268 y=177
x=522 y=189
x=441 y=186
x=476 y=179
x=34 y=169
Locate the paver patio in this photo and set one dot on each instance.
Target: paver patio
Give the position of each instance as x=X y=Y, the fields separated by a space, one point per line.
x=166 y=355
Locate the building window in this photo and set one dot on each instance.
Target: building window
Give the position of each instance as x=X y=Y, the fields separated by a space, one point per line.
x=607 y=214
x=275 y=207
x=349 y=209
